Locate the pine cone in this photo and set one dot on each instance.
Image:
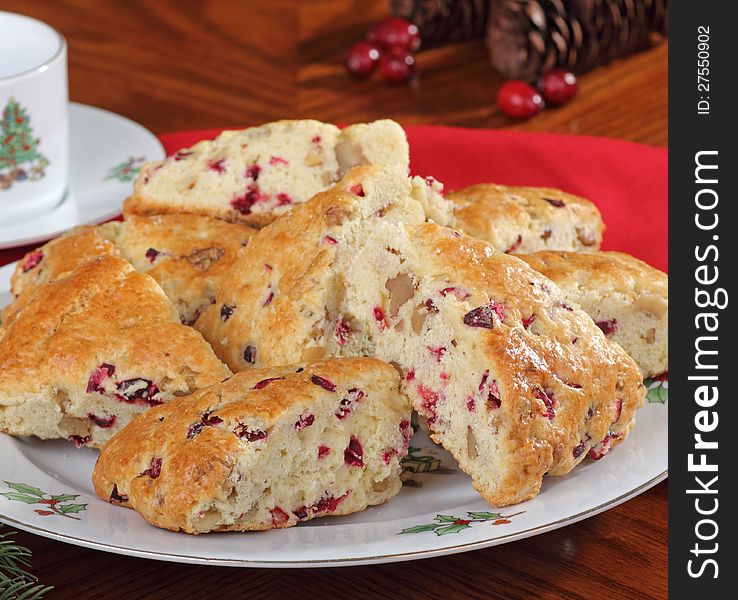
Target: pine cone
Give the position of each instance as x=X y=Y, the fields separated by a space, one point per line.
x=530 y=37
x=444 y=21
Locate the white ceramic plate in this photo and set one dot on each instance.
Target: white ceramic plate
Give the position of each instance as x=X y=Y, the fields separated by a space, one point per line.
x=106 y=152
x=45 y=488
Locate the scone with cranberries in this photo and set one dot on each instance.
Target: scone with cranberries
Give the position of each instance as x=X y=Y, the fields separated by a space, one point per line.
x=627 y=299
x=80 y=355
x=265 y=449
x=527 y=219
x=187 y=255
x=254 y=175
x=513 y=379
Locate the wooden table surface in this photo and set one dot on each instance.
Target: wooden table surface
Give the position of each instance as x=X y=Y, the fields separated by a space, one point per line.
x=174 y=66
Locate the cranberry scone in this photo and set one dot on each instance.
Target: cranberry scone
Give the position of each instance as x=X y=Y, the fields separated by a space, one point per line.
x=80 y=355
x=527 y=219
x=187 y=255
x=254 y=175
x=627 y=299
x=268 y=448
x=513 y=379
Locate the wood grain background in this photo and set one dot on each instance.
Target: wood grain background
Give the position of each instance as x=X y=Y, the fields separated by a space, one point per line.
x=189 y=65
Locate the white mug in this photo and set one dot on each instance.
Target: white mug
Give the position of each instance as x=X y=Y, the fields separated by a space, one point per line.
x=34 y=143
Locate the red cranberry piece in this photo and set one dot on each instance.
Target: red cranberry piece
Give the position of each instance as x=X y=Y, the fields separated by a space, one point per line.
x=353 y=455
x=269 y=298
x=515 y=245
x=437 y=352
x=362 y=59
x=347 y=404
x=79 y=440
x=305 y=421
x=380 y=318
x=210 y=420
x=265 y=382
x=102 y=422
x=251 y=436
x=609 y=327
x=618 y=410
x=480 y=317
x=151 y=254
x=519 y=100
x=194 y=430
x=182 y=154
x=249 y=354
x=529 y=321
x=277 y=160
x=558 y=86
x=279 y=517
x=328 y=503
x=251 y=196
x=253 y=172
x=387 y=455
x=154 y=469
x=217 y=165
x=316 y=139
x=284 y=199
x=429 y=401
x=485 y=376
x=548 y=400
x=116 y=497
x=226 y=311
x=493 y=399
x=407 y=433
x=430 y=306
x=31 y=260
x=410 y=375
x=397 y=65
x=458 y=293
x=567 y=307
x=138 y=390
x=329 y=240
x=394 y=32
x=578 y=450
x=101 y=372
x=598 y=451
x=323 y=451
x=470 y=403
x=343 y=330
x=556 y=203
x=357 y=190
x=324 y=383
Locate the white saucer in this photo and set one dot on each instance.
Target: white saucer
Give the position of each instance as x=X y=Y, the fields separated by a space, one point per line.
x=102 y=145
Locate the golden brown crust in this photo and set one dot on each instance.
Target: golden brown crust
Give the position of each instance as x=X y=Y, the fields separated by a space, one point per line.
x=103 y=312
x=527 y=219
x=196 y=465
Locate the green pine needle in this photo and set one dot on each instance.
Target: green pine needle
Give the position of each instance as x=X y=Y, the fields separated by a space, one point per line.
x=16 y=583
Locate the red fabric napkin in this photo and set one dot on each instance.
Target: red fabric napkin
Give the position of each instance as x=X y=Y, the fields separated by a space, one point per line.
x=627 y=181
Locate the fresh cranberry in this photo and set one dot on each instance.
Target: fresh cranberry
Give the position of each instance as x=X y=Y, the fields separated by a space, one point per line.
x=326 y=384
x=269 y=298
x=182 y=154
x=430 y=306
x=437 y=352
x=144 y=391
x=397 y=65
x=429 y=401
x=608 y=327
x=515 y=245
x=116 y=497
x=323 y=451
x=79 y=440
x=556 y=203
x=410 y=375
x=316 y=139
x=151 y=254
x=251 y=196
x=211 y=420
x=482 y=316
x=599 y=450
x=277 y=160
x=353 y=455
x=330 y=240
x=325 y=504
x=31 y=260
x=394 y=32
x=527 y=322
x=102 y=422
x=226 y=311
x=252 y=172
x=279 y=517
x=305 y=421
x=380 y=318
x=347 y=404
x=387 y=455
x=284 y=199
x=217 y=165
x=251 y=436
x=357 y=190
x=362 y=59
x=493 y=399
x=265 y=382
x=101 y=372
x=154 y=469
x=548 y=400
x=343 y=330
x=249 y=354
x=519 y=100
x=470 y=403
x=558 y=86
x=458 y=293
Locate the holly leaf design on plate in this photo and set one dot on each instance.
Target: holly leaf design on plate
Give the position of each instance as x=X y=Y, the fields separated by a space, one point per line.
x=456 y=528
x=21 y=497
x=25 y=489
x=445 y=524
x=72 y=508
x=420 y=528
x=65 y=497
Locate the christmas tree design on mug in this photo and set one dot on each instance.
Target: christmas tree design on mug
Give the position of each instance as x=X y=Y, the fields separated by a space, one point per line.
x=20 y=159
